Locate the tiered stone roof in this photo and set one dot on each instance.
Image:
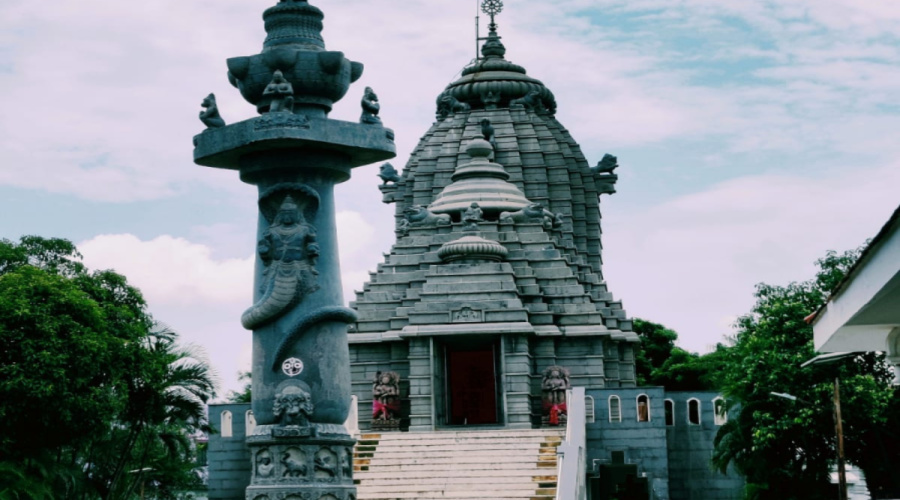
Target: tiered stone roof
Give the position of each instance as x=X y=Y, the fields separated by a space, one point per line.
x=550 y=282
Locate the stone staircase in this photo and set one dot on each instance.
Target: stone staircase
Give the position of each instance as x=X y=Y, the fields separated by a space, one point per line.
x=484 y=464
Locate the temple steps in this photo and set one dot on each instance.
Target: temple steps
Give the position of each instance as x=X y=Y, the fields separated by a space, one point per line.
x=482 y=464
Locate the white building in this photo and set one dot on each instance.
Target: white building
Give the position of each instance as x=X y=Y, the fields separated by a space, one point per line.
x=863 y=314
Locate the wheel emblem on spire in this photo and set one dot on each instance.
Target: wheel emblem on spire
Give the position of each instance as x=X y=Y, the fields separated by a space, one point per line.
x=492 y=8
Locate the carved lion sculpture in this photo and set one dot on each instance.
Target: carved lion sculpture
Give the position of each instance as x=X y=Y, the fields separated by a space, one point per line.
x=294 y=463
x=293 y=406
x=449 y=105
x=534 y=212
x=607 y=164
x=210 y=113
x=417 y=215
x=388 y=173
x=531 y=101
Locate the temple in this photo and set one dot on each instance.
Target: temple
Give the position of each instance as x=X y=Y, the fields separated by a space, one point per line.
x=496 y=274
x=487 y=356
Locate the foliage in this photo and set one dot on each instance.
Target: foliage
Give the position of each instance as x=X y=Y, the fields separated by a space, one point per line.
x=244 y=395
x=90 y=388
x=686 y=371
x=659 y=362
x=784 y=448
x=657 y=343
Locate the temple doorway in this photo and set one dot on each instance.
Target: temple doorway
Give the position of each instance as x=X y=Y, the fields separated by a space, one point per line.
x=472 y=384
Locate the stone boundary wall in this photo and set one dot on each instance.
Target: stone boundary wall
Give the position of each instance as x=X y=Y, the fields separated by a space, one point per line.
x=229 y=457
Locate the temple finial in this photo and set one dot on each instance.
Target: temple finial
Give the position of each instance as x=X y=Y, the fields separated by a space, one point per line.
x=492 y=46
x=492 y=8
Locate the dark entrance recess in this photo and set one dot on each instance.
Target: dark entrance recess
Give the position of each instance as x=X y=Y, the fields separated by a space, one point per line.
x=471 y=384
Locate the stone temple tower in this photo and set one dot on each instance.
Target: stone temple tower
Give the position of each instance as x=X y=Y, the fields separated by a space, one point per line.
x=496 y=276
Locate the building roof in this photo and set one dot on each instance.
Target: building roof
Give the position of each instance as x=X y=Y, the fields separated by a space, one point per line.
x=863 y=313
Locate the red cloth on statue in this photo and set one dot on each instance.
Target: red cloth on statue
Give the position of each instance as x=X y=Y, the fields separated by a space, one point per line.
x=555 y=412
x=386 y=410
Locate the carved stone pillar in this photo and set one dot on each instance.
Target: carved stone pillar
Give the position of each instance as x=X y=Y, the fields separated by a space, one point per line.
x=295 y=155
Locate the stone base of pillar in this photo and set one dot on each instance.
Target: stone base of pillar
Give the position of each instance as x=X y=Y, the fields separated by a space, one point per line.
x=313 y=463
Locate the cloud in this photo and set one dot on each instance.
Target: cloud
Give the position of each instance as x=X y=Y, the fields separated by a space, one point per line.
x=692 y=262
x=101 y=126
x=169 y=269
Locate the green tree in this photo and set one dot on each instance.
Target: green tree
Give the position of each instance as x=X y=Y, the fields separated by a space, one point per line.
x=783 y=448
x=85 y=381
x=167 y=405
x=657 y=343
x=659 y=362
x=687 y=371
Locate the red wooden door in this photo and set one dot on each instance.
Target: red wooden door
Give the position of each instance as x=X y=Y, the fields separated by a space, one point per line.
x=472 y=386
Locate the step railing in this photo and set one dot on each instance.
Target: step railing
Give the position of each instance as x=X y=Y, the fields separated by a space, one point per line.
x=352 y=423
x=571 y=477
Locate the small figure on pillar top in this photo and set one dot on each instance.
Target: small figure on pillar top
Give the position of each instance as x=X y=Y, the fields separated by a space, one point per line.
x=281 y=92
x=553 y=387
x=370 y=107
x=210 y=113
x=472 y=216
x=386 y=401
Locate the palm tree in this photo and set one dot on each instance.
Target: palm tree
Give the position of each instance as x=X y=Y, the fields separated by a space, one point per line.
x=166 y=407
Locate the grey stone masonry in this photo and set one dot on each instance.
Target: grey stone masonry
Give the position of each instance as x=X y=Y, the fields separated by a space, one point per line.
x=690 y=444
x=228 y=455
x=643 y=442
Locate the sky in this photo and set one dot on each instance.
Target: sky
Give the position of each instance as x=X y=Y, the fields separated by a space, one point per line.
x=752 y=138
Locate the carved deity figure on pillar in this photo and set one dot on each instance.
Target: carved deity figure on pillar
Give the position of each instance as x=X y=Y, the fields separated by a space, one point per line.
x=281 y=93
x=554 y=385
x=386 y=401
x=370 y=107
x=288 y=249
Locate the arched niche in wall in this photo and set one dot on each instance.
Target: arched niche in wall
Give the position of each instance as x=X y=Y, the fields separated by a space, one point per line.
x=670 y=412
x=643 y=408
x=720 y=412
x=615 y=409
x=225 y=429
x=249 y=423
x=693 y=412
